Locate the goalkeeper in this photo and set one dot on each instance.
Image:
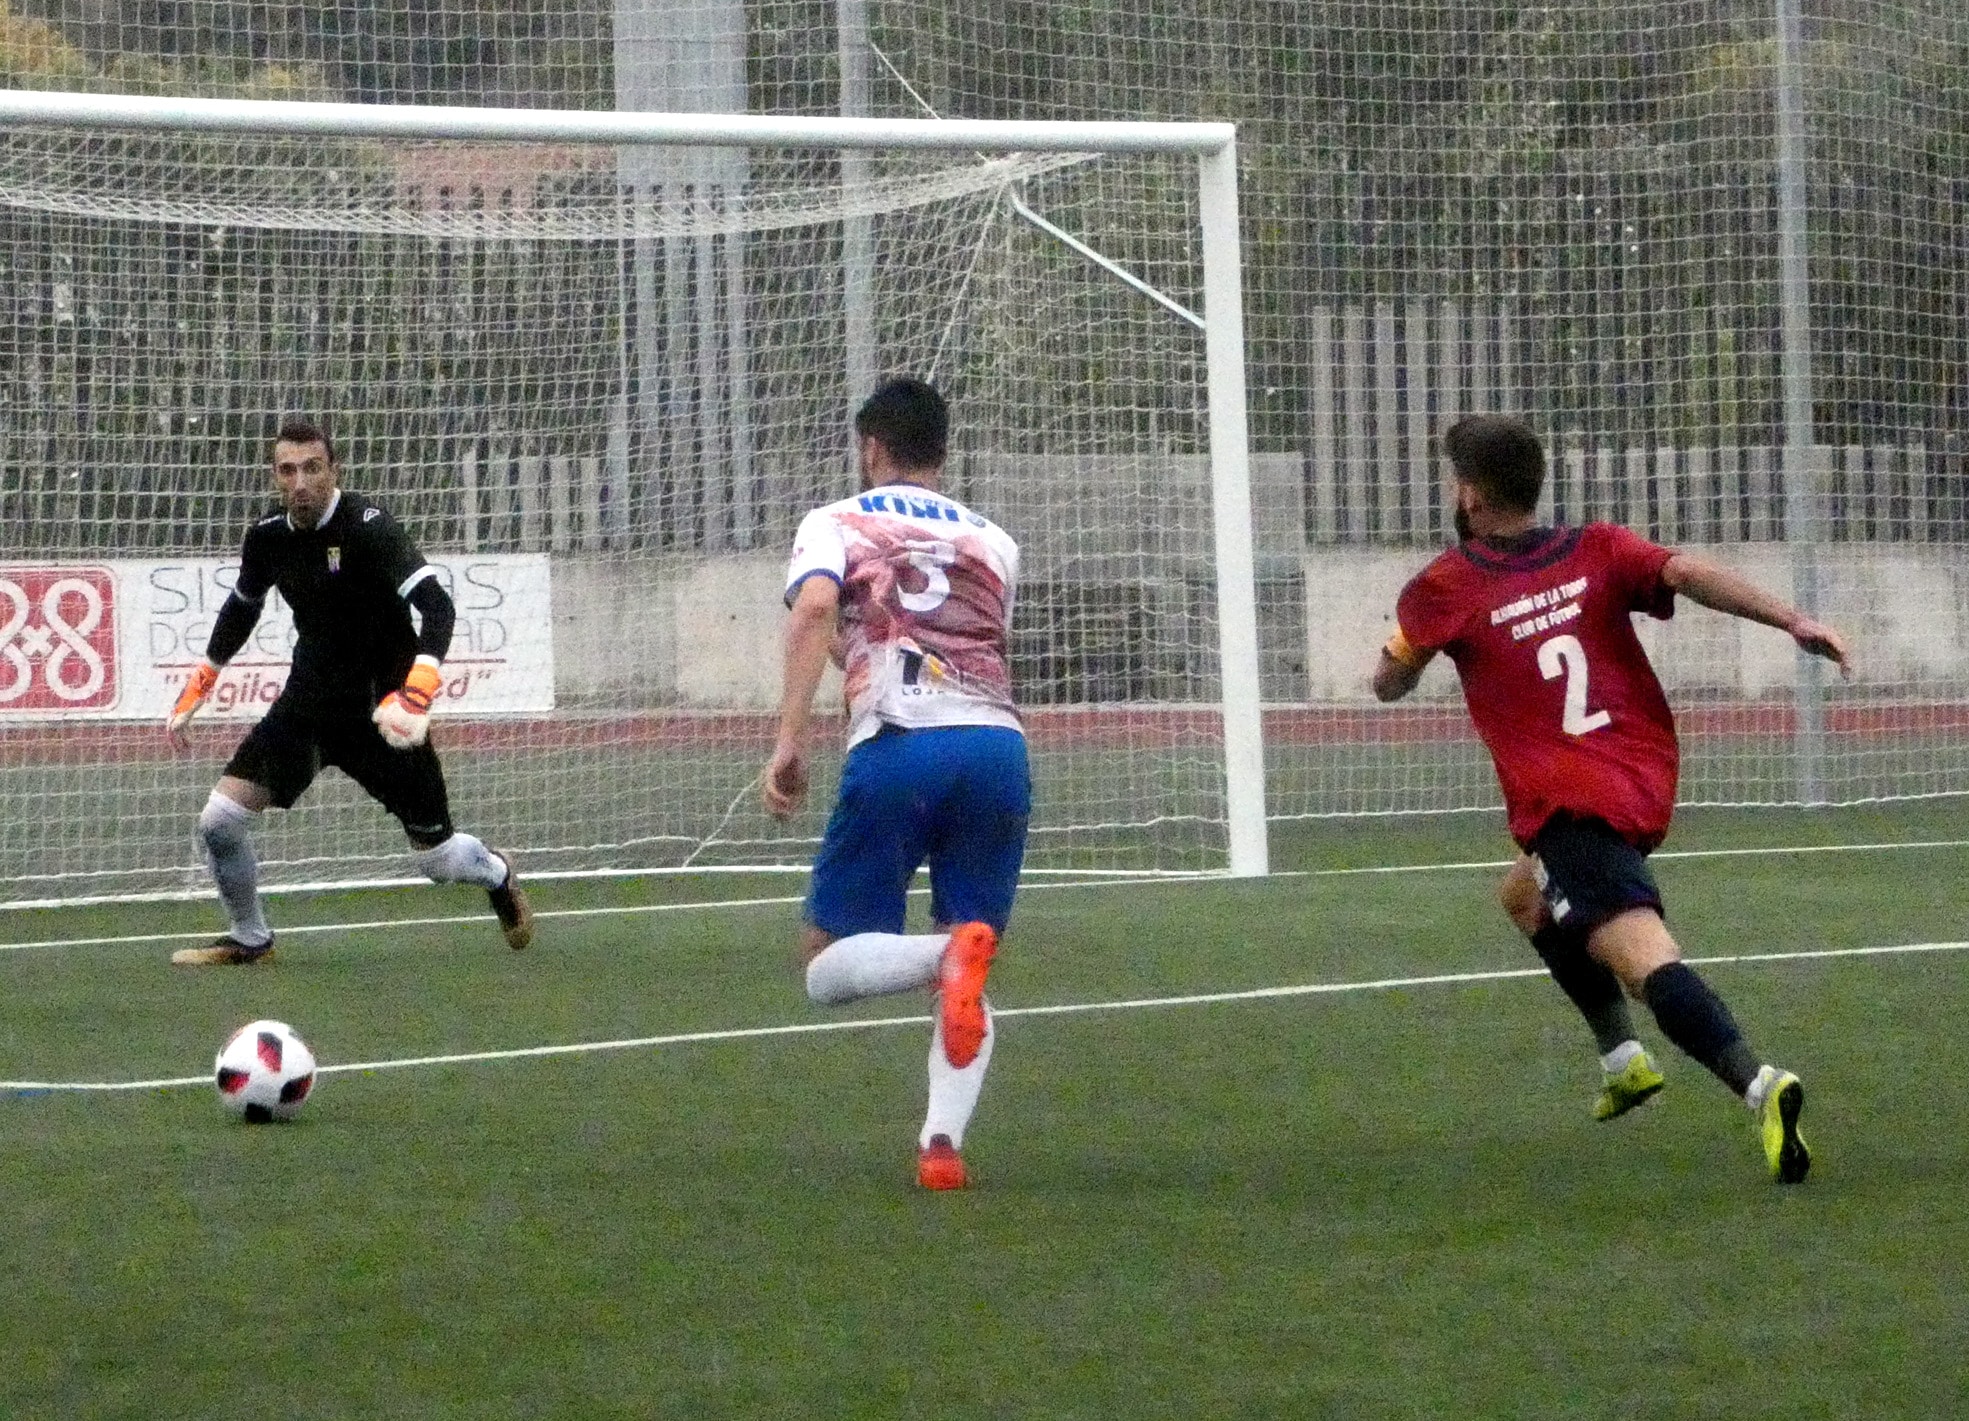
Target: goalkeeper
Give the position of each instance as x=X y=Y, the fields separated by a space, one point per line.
x=359 y=696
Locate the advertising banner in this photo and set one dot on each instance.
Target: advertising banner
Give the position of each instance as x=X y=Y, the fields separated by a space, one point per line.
x=116 y=640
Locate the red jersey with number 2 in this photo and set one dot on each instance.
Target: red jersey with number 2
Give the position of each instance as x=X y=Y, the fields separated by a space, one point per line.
x=1555 y=678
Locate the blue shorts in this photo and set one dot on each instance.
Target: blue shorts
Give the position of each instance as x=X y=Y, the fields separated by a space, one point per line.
x=955 y=796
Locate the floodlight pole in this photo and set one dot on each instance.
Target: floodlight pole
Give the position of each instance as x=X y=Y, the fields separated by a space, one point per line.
x=857 y=232
x=691 y=357
x=1803 y=505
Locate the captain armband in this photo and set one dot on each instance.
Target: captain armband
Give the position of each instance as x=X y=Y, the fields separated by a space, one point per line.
x=1398 y=649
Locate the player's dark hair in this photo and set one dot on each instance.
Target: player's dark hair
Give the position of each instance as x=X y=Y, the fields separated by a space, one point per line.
x=910 y=419
x=305 y=431
x=1501 y=457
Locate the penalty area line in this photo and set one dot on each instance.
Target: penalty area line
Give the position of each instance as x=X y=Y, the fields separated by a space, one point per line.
x=816 y=1028
x=614 y=910
x=617 y=910
x=705 y=870
x=1095 y=878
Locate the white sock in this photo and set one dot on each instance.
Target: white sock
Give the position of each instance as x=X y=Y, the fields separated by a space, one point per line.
x=953 y=1093
x=1760 y=1086
x=462 y=859
x=1615 y=1061
x=873 y=965
x=225 y=830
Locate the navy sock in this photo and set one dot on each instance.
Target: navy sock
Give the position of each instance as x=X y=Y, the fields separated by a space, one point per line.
x=1593 y=989
x=1695 y=1019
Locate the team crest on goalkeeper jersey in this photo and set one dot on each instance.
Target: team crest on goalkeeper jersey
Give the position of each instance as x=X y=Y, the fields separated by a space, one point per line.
x=334 y=559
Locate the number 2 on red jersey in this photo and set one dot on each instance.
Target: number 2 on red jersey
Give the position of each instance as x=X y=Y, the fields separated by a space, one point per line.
x=1564 y=656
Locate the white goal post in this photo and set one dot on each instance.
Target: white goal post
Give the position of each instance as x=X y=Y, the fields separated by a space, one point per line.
x=1236 y=800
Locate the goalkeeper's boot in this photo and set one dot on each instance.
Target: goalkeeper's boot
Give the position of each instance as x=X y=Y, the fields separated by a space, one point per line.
x=940 y=1166
x=510 y=905
x=961 y=983
x=1782 y=1101
x=1634 y=1084
x=226 y=952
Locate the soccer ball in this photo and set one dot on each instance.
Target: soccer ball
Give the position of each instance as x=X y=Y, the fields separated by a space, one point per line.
x=264 y=1072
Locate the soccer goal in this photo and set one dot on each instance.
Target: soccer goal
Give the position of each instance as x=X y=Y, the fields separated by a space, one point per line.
x=600 y=364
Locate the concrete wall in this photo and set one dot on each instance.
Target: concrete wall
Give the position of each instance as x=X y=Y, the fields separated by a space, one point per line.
x=706 y=634
x=677 y=631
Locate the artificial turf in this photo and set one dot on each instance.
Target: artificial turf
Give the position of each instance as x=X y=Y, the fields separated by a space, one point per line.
x=1378 y=1202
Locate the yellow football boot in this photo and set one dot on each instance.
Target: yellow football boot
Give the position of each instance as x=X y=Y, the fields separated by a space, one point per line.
x=1777 y=1120
x=1627 y=1088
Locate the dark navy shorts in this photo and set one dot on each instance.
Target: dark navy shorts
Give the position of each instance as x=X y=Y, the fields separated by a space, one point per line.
x=1589 y=874
x=956 y=797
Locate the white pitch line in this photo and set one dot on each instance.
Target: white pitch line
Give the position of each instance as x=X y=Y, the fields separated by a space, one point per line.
x=345 y=885
x=613 y=911
x=1660 y=854
x=619 y=910
x=811 y=1028
x=1811 y=849
x=1105 y=875
x=1099 y=878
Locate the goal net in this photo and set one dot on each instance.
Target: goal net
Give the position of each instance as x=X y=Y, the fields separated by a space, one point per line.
x=1732 y=343
x=1578 y=213
x=600 y=385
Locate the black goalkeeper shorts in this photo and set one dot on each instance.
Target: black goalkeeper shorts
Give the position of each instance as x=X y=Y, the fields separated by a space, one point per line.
x=285 y=751
x=1589 y=874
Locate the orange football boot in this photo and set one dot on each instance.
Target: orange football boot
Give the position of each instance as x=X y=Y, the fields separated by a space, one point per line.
x=940 y=1166
x=961 y=979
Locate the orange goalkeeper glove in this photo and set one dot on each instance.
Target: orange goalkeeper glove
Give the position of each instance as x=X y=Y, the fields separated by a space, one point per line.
x=404 y=717
x=198 y=689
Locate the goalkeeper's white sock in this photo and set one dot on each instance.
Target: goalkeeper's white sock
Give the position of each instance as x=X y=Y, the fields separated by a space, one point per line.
x=873 y=965
x=953 y=1092
x=225 y=829
x=462 y=859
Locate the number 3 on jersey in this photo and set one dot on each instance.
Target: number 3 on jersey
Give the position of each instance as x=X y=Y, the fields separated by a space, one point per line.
x=930 y=559
x=1564 y=656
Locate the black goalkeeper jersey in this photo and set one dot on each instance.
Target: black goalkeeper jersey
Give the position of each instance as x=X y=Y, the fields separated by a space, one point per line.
x=346 y=580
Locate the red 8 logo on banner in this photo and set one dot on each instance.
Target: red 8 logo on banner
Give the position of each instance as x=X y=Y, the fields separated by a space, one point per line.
x=57 y=639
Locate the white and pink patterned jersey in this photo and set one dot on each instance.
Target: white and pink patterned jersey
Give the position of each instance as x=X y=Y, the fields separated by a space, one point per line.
x=926 y=607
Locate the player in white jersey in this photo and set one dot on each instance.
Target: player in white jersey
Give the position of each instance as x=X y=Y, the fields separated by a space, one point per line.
x=912 y=593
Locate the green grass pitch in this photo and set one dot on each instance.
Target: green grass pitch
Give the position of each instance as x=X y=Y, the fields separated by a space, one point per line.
x=1385 y=1202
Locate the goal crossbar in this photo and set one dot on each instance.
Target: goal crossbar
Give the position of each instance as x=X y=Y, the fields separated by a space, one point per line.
x=45 y=109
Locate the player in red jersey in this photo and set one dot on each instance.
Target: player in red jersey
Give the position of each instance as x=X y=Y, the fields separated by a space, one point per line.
x=1539 y=622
